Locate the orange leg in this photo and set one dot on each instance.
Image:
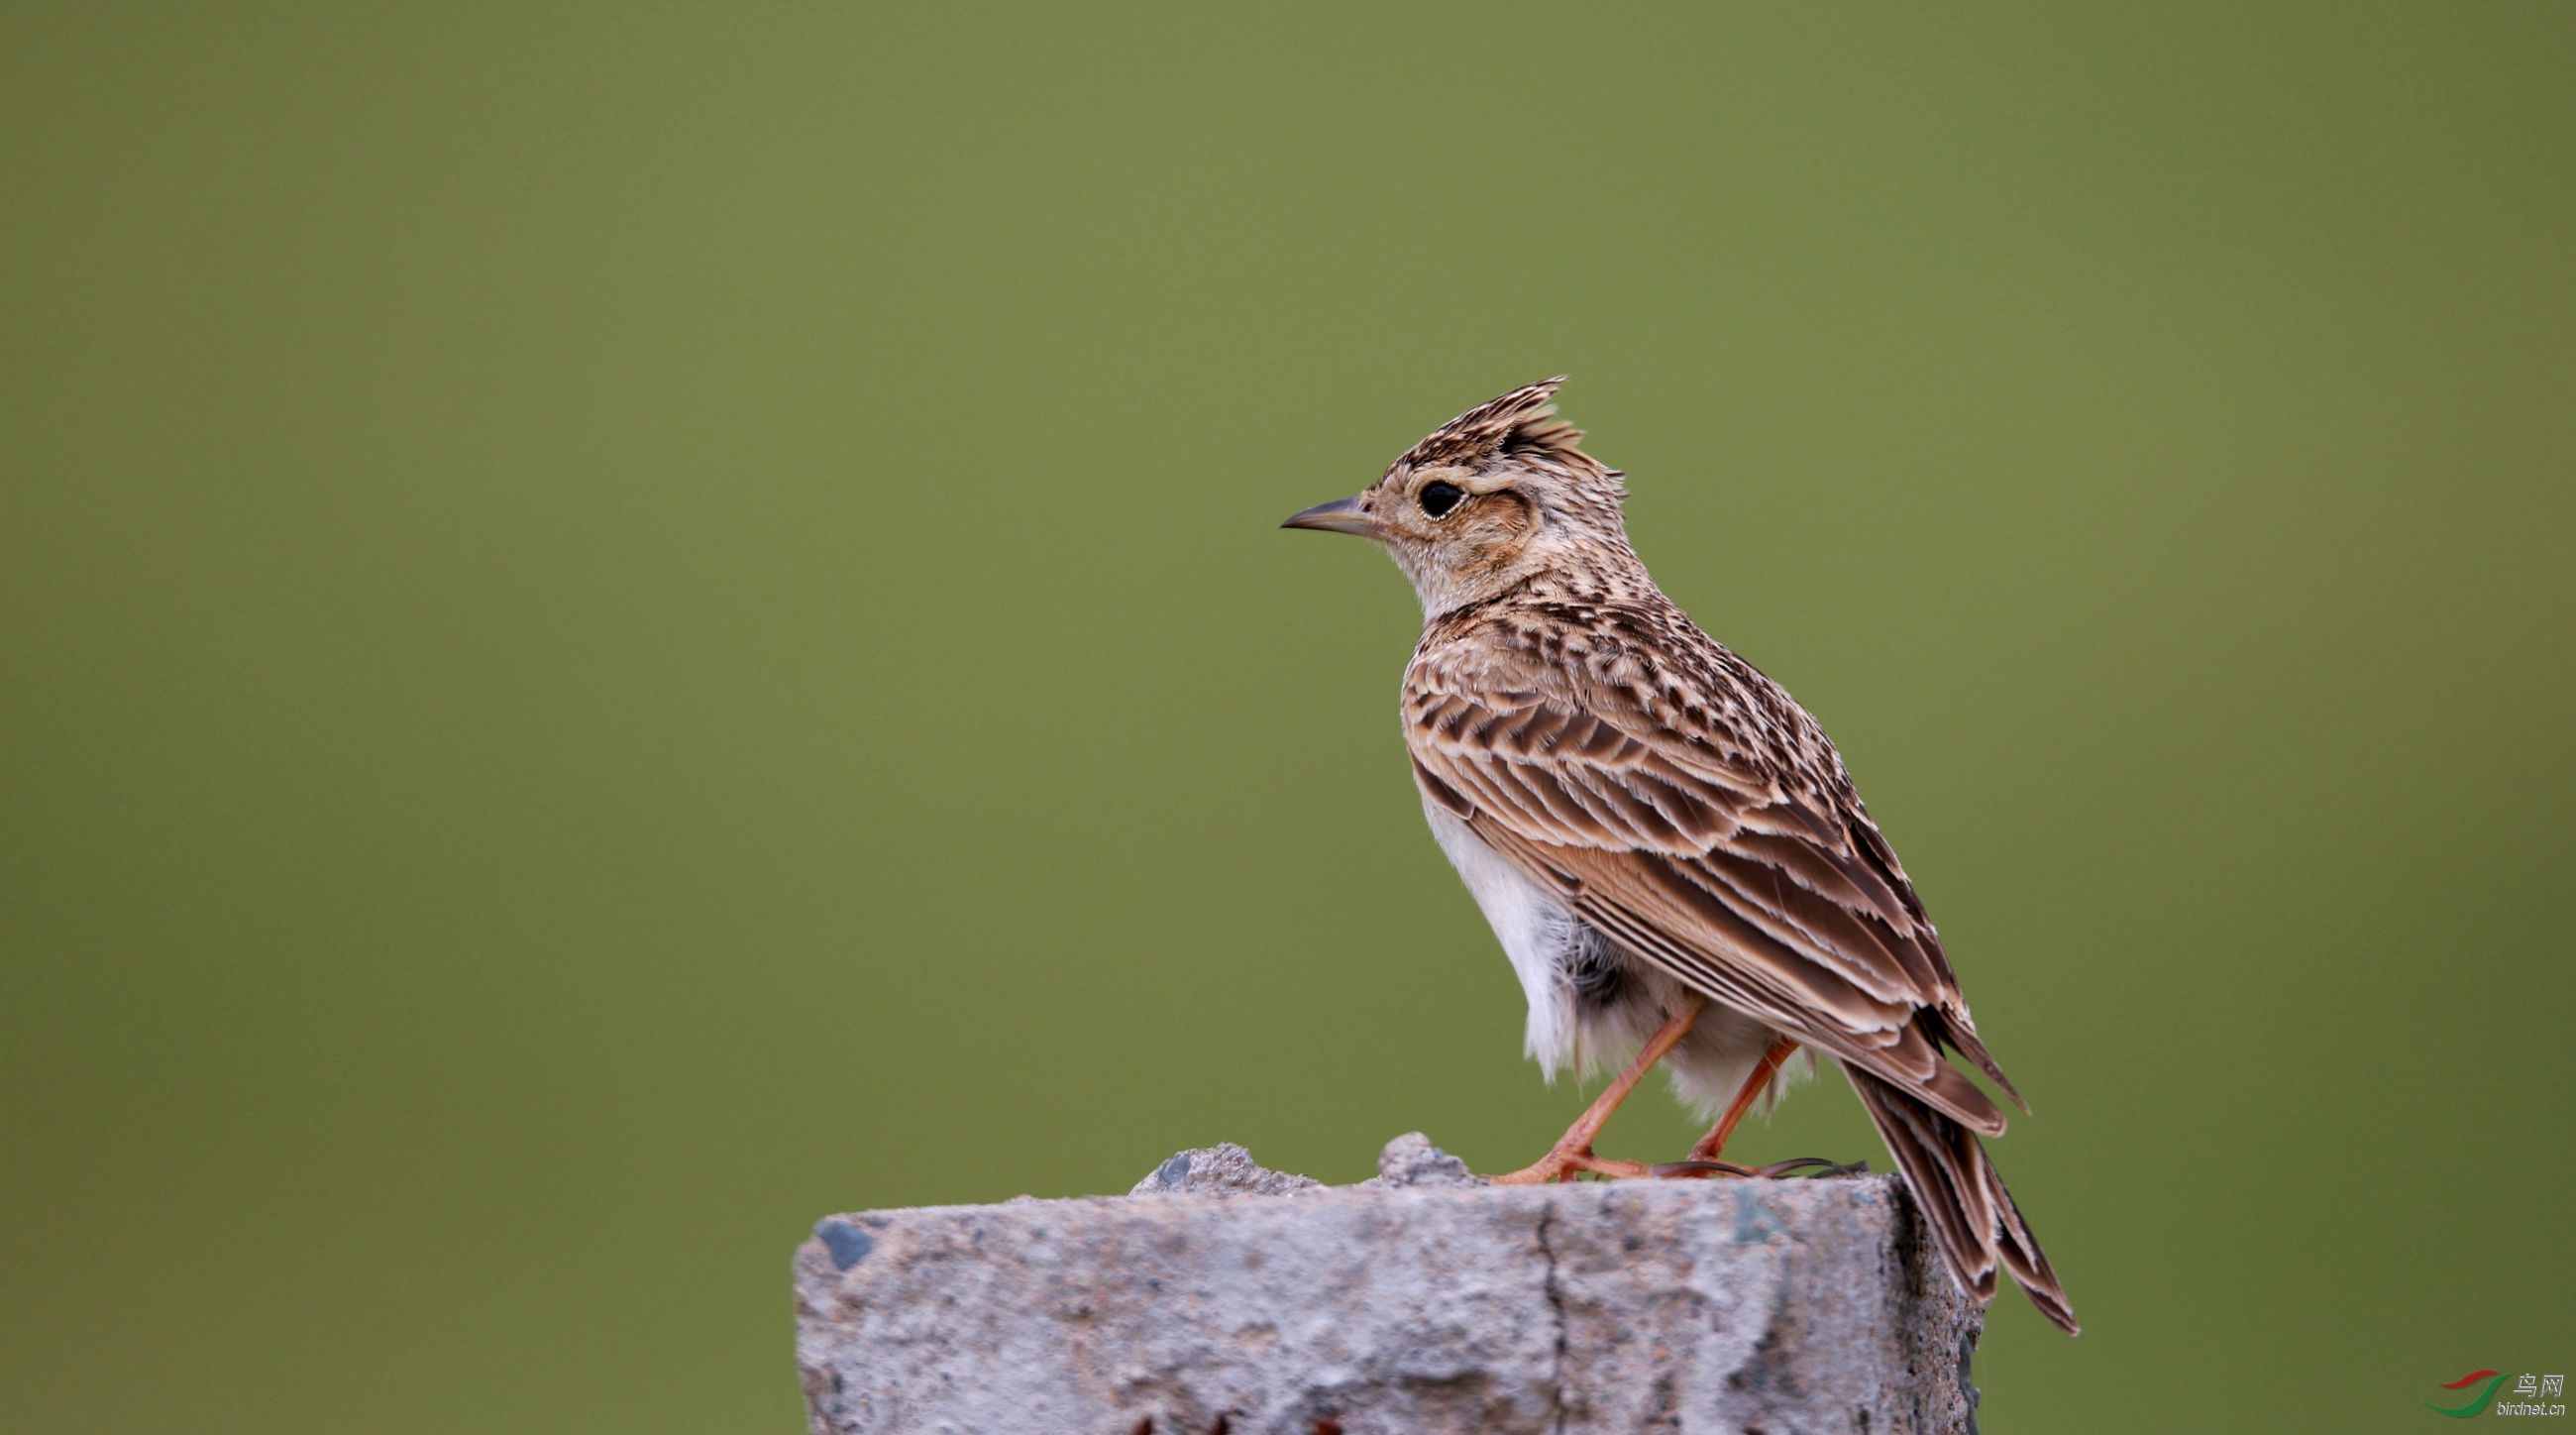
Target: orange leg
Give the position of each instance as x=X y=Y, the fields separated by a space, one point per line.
x=1713 y=1144
x=1573 y=1150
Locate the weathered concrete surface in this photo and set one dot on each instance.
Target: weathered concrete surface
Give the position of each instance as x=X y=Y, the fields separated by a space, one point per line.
x=1222 y=1297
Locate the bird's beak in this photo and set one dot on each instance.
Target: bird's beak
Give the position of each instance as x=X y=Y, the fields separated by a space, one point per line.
x=1342 y=515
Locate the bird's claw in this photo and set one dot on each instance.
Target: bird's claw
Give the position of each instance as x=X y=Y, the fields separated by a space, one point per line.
x=1564 y=1163
x=1812 y=1167
x=1696 y=1168
x=1815 y=1168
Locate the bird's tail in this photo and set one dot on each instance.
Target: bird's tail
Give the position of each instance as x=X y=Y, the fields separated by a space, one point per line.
x=1963 y=1198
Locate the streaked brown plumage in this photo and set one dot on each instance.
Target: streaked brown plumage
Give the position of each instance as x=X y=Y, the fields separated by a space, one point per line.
x=1648 y=822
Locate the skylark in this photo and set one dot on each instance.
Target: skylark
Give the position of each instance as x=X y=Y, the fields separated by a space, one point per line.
x=1666 y=844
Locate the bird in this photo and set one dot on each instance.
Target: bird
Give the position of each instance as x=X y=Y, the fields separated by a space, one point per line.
x=1667 y=846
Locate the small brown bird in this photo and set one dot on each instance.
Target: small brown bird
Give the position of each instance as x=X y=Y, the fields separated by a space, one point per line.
x=1665 y=843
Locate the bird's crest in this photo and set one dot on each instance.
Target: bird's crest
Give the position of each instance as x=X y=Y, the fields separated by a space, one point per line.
x=1520 y=423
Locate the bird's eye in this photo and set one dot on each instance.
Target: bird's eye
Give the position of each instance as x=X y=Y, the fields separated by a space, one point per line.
x=1438 y=498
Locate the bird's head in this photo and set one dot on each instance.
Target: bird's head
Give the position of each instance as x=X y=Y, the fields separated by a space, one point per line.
x=1493 y=496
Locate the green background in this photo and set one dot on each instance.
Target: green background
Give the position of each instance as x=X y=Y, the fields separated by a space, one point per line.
x=622 y=626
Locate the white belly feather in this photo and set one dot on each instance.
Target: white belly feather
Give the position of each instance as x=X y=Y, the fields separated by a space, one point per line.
x=1540 y=935
x=1534 y=928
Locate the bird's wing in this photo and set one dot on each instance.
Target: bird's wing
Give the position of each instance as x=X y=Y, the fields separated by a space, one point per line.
x=1766 y=890
x=1762 y=885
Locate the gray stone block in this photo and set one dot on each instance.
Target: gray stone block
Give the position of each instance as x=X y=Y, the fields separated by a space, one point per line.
x=1223 y=1297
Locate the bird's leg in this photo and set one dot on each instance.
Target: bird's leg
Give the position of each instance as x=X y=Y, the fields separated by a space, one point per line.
x=1703 y=1159
x=1573 y=1150
x=1713 y=1145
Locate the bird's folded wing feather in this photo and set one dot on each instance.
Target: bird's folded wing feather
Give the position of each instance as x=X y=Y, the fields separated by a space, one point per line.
x=1767 y=892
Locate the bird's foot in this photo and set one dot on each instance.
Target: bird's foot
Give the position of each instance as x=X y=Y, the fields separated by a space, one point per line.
x=1815 y=1167
x=1563 y=1163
